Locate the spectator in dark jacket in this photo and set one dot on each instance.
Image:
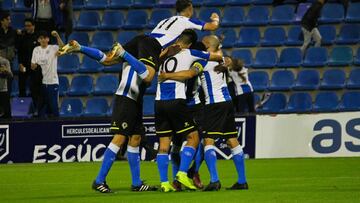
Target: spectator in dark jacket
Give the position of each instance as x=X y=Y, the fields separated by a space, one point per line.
x=5 y=73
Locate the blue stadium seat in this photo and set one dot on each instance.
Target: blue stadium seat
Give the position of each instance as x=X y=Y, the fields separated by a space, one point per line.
x=102 y=40
x=68 y=63
x=301 y=10
x=238 y=2
x=274 y=36
x=153 y=87
x=262 y=2
x=315 y=57
x=110 y=110
x=116 y=68
x=112 y=20
x=353 y=14
x=350 y=101
x=158 y=15
x=354 y=79
x=275 y=104
x=71 y=107
x=245 y=55
x=214 y=3
x=88 y=20
x=233 y=16
x=259 y=80
x=19 y=6
x=340 y=56
x=165 y=3
x=96 y=107
x=332 y=13
x=14 y=88
x=7 y=5
x=349 y=34
x=149 y=105
x=81 y=37
x=136 y=19
x=205 y=13
x=63 y=85
x=357 y=58
x=21 y=107
x=299 y=102
x=95 y=5
x=282 y=15
x=290 y=57
x=17 y=20
x=143 y=3
x=125 y=36
x=328 y=34
x=307 y=80
x=197 y=3
x=120 y=4
x=265 y=58
x=106 y=85
x=229 y=37
x=282 y=80
x=90 y=65
x=257 y=15
x=326 y=102
x=295 y=36
x=333 y=79
x=201 y=34
x=248 y=37
x=81 y=86
x=78 y=4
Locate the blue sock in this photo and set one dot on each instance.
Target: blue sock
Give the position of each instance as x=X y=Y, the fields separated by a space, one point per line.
x=238 y=158
x=163 y=164
x=186 y=158
x=109 y=158
x=137 y=65
x=134 y=163
x=93 y=53
x=210 y=159
x=199 y=157
x=175 y=164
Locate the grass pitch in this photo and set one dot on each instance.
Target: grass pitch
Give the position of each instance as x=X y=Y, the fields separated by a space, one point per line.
x=271 y=180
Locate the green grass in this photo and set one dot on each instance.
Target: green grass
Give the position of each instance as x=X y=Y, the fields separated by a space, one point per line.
x=272 y=180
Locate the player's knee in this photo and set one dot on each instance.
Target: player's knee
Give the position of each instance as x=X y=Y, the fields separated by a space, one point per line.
x=232 y=142
x=193 y=138
x=135 y=140
x=118 y=140
x=164 y=150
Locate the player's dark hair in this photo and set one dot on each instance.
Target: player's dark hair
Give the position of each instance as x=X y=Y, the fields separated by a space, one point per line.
x=188 y=36
x=30 y=20
x=198 y=46
x=182 y=5
x=43 y=34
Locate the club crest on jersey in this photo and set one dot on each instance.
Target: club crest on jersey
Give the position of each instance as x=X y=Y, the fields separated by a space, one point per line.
x=4 y=141
x=124 y=125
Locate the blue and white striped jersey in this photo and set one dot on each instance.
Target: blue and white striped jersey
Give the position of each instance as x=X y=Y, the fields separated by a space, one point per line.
x=241 y=86
x=192 y=91
x=168 y=30
x=172 y=89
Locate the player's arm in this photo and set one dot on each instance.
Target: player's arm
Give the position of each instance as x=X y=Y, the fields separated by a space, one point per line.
x=209 y=56
x=214 y=24
x=183 y=75
x=58 y=38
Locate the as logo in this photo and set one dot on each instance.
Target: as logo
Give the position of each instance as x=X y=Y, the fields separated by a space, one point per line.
x=186 y=124
x=151 y=58
x=124 y=125
x=4 y=141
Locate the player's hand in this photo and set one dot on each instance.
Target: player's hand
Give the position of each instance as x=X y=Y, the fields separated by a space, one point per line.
x=162 y=76
x=215 y=17
x=22 y=68
x=54 y=33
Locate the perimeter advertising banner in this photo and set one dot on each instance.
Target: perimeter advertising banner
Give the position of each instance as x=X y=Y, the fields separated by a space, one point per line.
x=84 y=140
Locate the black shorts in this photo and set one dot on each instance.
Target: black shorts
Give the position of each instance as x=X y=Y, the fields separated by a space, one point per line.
x=197 y=113
x=146 y=49
x=173 y=118
x=220 y=121
x=126 y=117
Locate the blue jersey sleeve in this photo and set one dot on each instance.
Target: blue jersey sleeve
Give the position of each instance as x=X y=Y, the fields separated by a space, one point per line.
x=200 y=54
x=196 y=24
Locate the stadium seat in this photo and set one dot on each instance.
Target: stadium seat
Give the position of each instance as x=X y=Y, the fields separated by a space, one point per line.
x=265 y=58
x=158 y=15
x=332 y=13
x=282 y=15
x=102 y=40
x=90 y=65
x=112 y=20
x=353 y=14
x=78 y=4
x=106 y=85
x=68 y=63
x=19 y=6
x=274 y=36
x=95 y=5
x=197 y=3
x=136 y=19
x=350 y=101
x=357 y=58
x=275 y=104
x=295 y=36
x=143 y=3
x=201 y=34
x=333 y=79
x=165 y=3
x=328 y=34
x=81 y=86
x=299 y=102
x=257 y=15
x=349 y=34
x=326 y=102
x=88 y=20
x=17 y=20
x=282 y=80
x=205 y=13
x=307 y=80
x=110 y=110
x=116 y=68
x=81 y=37
x=248 y=37
x=290 y=57
x=340 y=56
x=259 y=80
x=96 y=107
x=71 y=107
x=233 y=16
x=21 y=107
x=245 y=55
x=228 y=35
x=354 y=79
x=238 y=2
x=214 y=3
x=7 y=5
x=120 y=4
x=125 y=36
x=315 y=57
x=301 y=10
x=262 y=2
x=63 y=85
x=149 y=105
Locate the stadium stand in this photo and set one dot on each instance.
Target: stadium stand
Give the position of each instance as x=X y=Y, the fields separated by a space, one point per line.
x=333 y=79
x=282 y=80
x=81 y=86
x=71 y=107
x=276 y=103
x=259 y=80
x=299 y=102
x=96 y=107
x=326 y=102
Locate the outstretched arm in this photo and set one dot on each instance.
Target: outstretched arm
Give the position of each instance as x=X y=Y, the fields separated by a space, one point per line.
x=58 y=38
x=182 y=75
x=214 y=24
